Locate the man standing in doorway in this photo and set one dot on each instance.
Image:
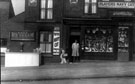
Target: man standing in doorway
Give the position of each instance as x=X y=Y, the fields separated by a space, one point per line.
x=75 y=51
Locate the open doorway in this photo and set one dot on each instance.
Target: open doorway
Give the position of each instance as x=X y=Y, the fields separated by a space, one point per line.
x=75 y=33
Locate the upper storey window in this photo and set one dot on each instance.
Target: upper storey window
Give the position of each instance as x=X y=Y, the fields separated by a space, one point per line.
x=90 y=7
x=46 y=9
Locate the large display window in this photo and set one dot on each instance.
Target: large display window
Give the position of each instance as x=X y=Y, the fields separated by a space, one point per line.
x=98 y=39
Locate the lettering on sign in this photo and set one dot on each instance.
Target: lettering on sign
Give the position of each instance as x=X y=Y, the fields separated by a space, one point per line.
x=123 y=13
x=56 y=42
x=130 y=5
x=22 y=35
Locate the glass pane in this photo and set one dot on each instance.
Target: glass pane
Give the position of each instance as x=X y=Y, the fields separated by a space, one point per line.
x=123 y=42
x=86 y=9
x=94 y=8
x=98 y=40
x=42 y=14
x=46 y=36
x=50 y=37
x=109 y=44
x=94 y=1
x=43 y=3
x=87 y=1
x=50 y=3
x=42 y=47
x=42 y=37
x=49 y=14
x=48 y=48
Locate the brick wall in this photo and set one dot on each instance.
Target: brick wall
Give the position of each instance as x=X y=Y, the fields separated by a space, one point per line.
x=16 y=24
x=33 y=12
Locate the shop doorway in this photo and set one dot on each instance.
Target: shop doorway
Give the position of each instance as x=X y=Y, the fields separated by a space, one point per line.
x=75 y=33
x=124 y=43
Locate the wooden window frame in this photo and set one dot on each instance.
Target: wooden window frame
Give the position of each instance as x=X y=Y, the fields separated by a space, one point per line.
x=45 y=10
x=90 y=4
x=47 y=42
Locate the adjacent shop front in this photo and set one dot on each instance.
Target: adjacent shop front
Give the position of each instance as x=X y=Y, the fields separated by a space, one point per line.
x=104 y=38
x=98 y=40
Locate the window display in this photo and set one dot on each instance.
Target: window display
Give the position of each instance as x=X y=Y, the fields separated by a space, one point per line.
x=123 y=43
x=98 y=40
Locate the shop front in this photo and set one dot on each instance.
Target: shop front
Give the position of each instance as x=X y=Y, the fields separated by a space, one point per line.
x=101 y=39
x=125 y=39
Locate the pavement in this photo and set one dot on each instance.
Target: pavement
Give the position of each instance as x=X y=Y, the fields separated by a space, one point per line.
x=82 y=70
x=79 y=81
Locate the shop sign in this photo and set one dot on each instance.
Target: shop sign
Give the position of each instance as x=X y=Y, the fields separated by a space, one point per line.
x=130 y=5
x=22 y=35
x=122 y=13
x=56 y=42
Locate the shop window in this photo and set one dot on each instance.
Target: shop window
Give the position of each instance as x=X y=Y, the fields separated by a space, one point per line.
x=90 y=7
x=46 y=42
x=46 y=9
x=98 y=40
x=123 y=38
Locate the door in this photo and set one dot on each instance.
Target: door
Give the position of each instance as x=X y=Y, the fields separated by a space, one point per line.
x=75 y=33
x=123 y=43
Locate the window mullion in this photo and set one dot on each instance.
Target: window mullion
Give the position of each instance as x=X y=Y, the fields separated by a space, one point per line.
x=46 y=8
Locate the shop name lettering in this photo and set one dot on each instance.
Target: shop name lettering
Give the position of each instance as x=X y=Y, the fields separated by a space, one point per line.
x=123 y=13
x=22 y=35
x=116 y=5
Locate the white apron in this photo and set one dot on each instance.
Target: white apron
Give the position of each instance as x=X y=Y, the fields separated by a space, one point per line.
x=75 y=49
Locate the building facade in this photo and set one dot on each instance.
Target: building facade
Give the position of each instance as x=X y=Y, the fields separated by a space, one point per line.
x=104 y=28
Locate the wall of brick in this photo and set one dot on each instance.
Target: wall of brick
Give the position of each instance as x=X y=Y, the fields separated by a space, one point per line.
x=73 y=10
x=33 y=12
x=16 y=24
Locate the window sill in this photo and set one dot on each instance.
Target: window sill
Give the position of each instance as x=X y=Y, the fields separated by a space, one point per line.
x=45 y=21
x=91 y=16
x=46 y=54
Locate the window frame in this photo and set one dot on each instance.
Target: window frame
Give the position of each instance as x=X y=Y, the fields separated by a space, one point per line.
x=90 y=3
x=106 y=40
x=46 y=10
x=46 y=42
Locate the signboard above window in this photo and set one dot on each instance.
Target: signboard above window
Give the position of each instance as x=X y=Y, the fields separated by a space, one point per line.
x=128 y=5
x=121 y=13
x=22 y=36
